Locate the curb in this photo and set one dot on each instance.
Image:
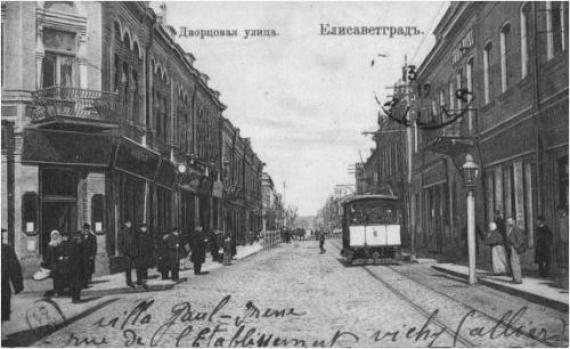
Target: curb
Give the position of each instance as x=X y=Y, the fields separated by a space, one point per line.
x=551 y=303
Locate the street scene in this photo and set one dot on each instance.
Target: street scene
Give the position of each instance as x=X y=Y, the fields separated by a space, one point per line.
x=284 y=174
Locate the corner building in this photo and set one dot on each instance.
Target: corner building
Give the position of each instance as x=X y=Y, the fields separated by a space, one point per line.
x=104 y=119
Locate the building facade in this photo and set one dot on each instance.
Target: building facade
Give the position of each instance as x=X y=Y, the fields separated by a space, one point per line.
x=512 y=58
x=108 y=120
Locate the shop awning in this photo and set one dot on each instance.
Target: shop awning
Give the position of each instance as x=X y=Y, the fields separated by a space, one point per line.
x=137 y=160
x=43 y=146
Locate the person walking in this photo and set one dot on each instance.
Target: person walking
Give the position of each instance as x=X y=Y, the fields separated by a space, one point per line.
x=495 y=241
x=172 y=248
x=50 y=262
x=517 y=246
x=542 y=255
x=90 y=249
x=198 y=256
x=129 y=249
x=322 y=242
x=11 y=275
x=227 y=249
x=72 y=263
x=145 y=256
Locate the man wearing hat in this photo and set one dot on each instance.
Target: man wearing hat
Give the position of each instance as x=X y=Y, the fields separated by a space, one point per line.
x=69 y=262
x=90 y=251
x=145 y=257
x=172 y=247
x=128 y=246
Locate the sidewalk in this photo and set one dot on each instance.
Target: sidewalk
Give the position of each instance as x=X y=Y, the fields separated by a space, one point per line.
x=535 y=289
x=28 y=320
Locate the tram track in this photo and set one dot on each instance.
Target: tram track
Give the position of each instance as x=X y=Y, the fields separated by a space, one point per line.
x=426 y=313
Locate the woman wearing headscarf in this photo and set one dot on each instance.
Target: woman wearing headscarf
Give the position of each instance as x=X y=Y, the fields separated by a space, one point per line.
x=52 y=253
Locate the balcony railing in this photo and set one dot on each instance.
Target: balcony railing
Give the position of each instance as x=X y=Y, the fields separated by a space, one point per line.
x=74 y=103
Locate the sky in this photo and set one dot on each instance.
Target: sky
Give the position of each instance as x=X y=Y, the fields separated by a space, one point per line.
x=304 y=98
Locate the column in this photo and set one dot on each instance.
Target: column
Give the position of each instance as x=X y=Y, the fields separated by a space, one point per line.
x=518 y=210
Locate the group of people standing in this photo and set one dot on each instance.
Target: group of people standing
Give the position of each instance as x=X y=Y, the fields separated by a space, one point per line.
x=508 y=242
x=71 y=260
x=141 y=251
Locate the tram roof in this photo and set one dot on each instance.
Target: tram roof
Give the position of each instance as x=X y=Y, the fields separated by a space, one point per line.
x=364 y=197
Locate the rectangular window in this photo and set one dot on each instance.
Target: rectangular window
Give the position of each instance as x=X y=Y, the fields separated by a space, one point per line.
x=486 y=74
x=458 y=85
x=451 y=95
x=549 y=31
x=525 y=25
x=49 y=70
x=503 y=44
x=469 y=73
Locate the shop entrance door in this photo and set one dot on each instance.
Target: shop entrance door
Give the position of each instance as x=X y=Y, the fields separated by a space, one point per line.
x=61 y=216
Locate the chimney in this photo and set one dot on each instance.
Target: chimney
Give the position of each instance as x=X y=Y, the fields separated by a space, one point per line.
x=204 y=78
x=216 y=93
x=190 y=57
x=161 y=18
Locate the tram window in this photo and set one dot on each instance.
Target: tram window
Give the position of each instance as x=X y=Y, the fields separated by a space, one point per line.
x=373 y=213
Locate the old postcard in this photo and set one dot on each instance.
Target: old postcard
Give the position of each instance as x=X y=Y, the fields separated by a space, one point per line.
x=284 y=174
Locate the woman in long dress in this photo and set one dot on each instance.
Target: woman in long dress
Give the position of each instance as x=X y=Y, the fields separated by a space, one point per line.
x=498 y=253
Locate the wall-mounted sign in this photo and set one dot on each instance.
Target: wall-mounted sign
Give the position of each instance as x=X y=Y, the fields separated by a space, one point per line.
x=463 y=47
x=136 y=159
x=218 y=189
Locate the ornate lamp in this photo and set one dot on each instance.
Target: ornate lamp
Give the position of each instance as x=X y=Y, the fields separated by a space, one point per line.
x=470 y=171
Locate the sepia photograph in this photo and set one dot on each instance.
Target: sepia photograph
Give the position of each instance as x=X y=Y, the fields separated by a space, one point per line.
x=284 y=174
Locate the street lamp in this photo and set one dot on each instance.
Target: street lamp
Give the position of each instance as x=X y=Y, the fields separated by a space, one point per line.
x=470 y=174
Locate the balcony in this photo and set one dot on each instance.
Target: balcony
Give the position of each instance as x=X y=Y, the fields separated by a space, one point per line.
x=68 y=108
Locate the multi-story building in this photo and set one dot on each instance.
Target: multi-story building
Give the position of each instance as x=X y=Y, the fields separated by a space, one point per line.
x=512 y=57
x=107 y=120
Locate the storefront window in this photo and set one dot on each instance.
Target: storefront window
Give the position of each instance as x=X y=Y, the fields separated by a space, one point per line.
x=29 y=212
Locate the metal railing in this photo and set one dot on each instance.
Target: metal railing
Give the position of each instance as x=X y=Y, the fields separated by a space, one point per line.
x=70 y=102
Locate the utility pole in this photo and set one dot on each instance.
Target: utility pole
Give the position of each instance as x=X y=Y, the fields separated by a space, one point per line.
x=411 y=226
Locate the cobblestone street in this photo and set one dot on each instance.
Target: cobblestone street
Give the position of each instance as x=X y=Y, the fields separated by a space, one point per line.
x=294 y=296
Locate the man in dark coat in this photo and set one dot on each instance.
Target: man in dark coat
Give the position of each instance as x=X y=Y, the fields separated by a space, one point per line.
x=145 y=256
x=90 y=249
x=70 y=262
x=172 y=247
x=128 y=246
x=198 y=250
x=11 y=274
x=543 y=246
x=322 y=242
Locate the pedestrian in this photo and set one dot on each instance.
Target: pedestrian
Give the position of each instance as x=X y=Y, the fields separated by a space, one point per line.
x=227 y=249
x=213 y=246
x=562 y=235
x=322 y=242
x=517 y=246
x=11 y=275
x=73 y=262
x=495 y=241
x=53 y=251
x=90 y=249
x=145 y=256
x=129 y=249
x=198 y=256
x=542 y=255
x=172 y=250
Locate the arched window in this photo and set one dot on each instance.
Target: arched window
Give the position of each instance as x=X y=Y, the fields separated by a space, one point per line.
x=504 y=43
x=487 y=73
x=127 y=41
x=525 y=25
